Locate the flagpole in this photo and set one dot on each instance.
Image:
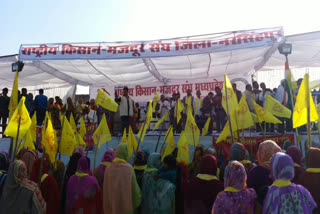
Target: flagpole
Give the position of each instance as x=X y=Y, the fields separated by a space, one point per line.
x=139 y=139
x=43 y=152
x=229 y=118
x=60 y=140
x=309 y=143
x=165 y=138
x=15 y=149
x=95 y=153
x=159 y=137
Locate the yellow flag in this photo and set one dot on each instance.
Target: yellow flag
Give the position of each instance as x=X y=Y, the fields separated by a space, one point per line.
x=291 y=81
x=132 y=142
x=206 y=127
x=124 y=136
x=191 y=130
x=25 y=122
x=104 y=100
x=277 y=109
x=72 y=123
x=33 y=127
x=254 y=118
x=183 y=149
x=299 y=117
x=155 y=101
x=243 y=114
x=264 y=115
x=68 y=141
x=49 y=141
x=318 y=111
x=169 y=138
x=14 y=96
x=82 y=130
x=43 y=132
x=225 y=132
x=102 y=133
x=146 y=123
x=161 y=120
x=178 y=109
x=28 y=141
x=232 y=97
x=80 y=141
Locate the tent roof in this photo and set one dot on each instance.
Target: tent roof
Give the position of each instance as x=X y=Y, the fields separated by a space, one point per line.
x=47 y=73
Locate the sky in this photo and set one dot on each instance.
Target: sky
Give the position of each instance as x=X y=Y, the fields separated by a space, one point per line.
x=56 y=21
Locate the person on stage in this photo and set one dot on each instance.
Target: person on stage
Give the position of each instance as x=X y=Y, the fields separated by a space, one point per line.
x=125 y=107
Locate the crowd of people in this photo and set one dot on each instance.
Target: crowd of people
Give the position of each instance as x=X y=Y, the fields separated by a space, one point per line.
x=279 y=182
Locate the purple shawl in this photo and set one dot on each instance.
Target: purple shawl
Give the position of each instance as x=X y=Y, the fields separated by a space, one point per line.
x=296 y=155
x=288 y=199
x=243 y=201
x=78 y=150
x=107 y=157
x=81 y=185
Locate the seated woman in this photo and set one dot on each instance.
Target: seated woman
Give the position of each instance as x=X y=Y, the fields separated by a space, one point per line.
x=21 y=195
x=311 y=177
x=83 y=192
x=238 y=153
x=204 y=187
x=284 y=196
x=236 y=197
x=259 y=176
x=157 y=195
x=296 y=155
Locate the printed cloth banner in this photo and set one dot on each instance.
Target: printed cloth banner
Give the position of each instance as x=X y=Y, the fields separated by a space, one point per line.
x=149 y=49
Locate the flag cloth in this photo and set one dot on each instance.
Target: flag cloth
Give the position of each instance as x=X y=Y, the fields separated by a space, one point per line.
x=132 y=143
x=178 y=109
x=206 y=127
x=27 y=142
x=264 y=115
x=25 y=122
x=146 y=123
x=49 y=142
x=276 y=108
x=155 y=101
x=169 y=138
x=72 y=123
x=318 y=111
x=43 y=132
x=299 y=117
x=161 y=120
x=80 y=141
x=290 y=86
x=14 y=96
x=82 y=130
x=33 y=127
x=67 y=140
x=102 y=133
x=104 y=100
x=183 y=149
x=124 y=136
x=225 y=132
x=232 y=97
x=254 y=118
x=191 y=130
x=243 y=114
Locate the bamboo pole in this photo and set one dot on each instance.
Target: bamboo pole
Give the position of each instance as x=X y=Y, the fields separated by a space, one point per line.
x=228 y=112
x=309 y=143
x=17 y=138
x=95 y=153
x=159 y=136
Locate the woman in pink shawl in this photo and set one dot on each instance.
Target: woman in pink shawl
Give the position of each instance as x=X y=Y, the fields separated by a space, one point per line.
x=284 y=196
x=236 y=197
x=83 y=192
x=106 y=161
x=296 y=155
x=121 y=192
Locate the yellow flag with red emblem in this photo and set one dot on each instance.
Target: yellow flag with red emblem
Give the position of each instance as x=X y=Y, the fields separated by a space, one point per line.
x=276 y=108
x=49 y=141
x=102 y=133
x=132 y=142
x=264 y=115
x=104 y=100
x=243 y=114
x=82 y=130
x=14 y=96
x=67 y=142
x=191 y=130
x=124 y=136
x=169 y=138
x=145 y=125
x=183 y=149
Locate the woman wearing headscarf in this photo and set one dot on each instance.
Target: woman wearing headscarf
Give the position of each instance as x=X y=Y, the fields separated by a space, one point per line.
x=140 y=164
x=193 y=167
x=48 y=185
x=29 y=157
x=71 y=170
x=21 y=195
x=311 y=177
x=78 y=150
x=58 y=172
x=235 y=196
x=238 y=153
x=284 y=196
x=204 y=187
x=296 y=155
x=259 y=176
x=83 y=192
x=4 y=165
x=157 y=195
x=121 y=192
x=106 y=161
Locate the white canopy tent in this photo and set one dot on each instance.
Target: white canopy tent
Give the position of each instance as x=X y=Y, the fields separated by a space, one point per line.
x=204 y=58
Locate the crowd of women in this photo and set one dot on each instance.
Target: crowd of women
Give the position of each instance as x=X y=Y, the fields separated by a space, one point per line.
x=277 y=183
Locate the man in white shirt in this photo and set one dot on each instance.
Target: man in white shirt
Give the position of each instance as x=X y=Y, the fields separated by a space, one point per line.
x=164 y=106
x=282 y=95
x=197 y=109
x=125 y=107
